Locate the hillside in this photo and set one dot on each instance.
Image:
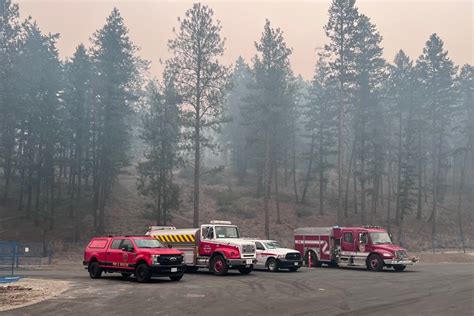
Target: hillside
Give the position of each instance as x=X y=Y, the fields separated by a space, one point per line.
x=223 y=198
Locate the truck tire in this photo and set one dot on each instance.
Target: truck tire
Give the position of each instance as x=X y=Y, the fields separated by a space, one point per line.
x=95 y=271
x=126 y=275
x=176 y=277
x=374 y=263
x=142 y=273
x=272 y=265
x=399 y=267
x=245 y=270
x=218 y=265
x=314 y=259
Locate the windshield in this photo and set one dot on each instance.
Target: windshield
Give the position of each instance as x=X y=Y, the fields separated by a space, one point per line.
x=148 y=243
x=380 y=238
x=272 y=245
x=227 y=232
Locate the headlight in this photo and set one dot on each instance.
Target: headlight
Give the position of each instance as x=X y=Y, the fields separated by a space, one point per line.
x=387 y=254
x=155 y=259
x=281 y=256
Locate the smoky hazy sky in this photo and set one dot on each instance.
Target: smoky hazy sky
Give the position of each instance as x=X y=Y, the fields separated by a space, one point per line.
x=403 y=25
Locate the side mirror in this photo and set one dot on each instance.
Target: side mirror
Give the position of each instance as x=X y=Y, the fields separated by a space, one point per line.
x=127 y=248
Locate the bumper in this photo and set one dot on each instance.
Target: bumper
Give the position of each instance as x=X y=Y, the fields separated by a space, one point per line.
x=157 y=270
x=404 y=262
x=240 y=262
x=285 y=264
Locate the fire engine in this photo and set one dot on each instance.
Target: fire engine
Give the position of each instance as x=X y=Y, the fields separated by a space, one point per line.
x=216 y=246
x=368 y=246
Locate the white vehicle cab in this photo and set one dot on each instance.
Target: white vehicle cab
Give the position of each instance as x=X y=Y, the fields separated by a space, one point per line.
x=272 y=256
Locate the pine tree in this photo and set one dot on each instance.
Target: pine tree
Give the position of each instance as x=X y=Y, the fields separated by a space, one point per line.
x=200 y=81
x=161 y=134
x=118 y=77
x=403 y=110
x=321 y=124
x=273 y=79
x=340 y=30
x=78 y=101
x=41 y=79
x=368 y=116
x=10 y=109
x=436 y=75
x=235 y=133
x=466 y=87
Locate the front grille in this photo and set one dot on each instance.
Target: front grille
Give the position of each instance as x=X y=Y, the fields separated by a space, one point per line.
x=248 y=248
x=170 y=260
x=293 y=256
x=400 y=254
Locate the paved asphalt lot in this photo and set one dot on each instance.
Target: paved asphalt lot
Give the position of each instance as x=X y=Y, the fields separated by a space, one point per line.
x=438 y=289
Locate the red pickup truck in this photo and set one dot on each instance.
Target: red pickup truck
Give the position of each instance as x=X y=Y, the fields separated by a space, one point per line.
x=142 y=256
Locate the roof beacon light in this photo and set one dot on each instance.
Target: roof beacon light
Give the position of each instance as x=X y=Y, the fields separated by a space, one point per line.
x=222 y=222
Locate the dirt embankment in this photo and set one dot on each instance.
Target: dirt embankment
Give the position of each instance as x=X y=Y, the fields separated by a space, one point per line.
x=445 y=257
x=29 y=291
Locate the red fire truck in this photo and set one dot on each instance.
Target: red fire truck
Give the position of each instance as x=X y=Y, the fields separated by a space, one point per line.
x=351 y=246
x=216 y=246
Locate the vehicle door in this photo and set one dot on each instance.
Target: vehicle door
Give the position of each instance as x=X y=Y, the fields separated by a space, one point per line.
x=261 y=257
x=127 y=260
x=207 y=244
x=348 y=242
x=362 y=243
x=114 y=253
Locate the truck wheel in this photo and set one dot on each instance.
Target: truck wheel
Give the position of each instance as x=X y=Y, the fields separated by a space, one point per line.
x=142 y=273
x=293 y=269
x=399 y=267
x=218 y=265
x=314 y=259
x=374 y=263
x=272 y=265
x=245 y=270
x=126 y=275
x=176 y=277
x=95 y=271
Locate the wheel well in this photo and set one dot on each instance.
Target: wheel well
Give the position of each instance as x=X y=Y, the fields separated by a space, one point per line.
x=307 y=253
x=215 y=254
x=370 y=254
x=268 y=259
x=140 y=262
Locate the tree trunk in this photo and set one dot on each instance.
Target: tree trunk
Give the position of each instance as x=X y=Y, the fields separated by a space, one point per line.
x=349 y=172
x=399 y=169
x=309 y=170
x=461 y=188
x=277 y=195
x=340 y=140
x=355 y=194
x=267 y=186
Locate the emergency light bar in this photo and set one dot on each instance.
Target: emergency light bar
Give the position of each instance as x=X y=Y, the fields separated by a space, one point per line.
x=222 y=222
x=162 y=227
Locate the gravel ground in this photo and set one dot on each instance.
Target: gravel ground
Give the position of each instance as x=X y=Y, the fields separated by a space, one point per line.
x=426 y=289
x=29 y=291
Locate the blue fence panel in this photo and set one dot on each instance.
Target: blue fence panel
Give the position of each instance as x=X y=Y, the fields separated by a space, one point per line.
x=8 y=257
x=33 y=253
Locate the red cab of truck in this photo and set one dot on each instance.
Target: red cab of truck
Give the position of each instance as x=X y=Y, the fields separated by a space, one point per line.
x=367 y=246
x=142 y=256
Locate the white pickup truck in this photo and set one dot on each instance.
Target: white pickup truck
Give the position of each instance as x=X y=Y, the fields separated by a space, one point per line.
x=272 y=256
